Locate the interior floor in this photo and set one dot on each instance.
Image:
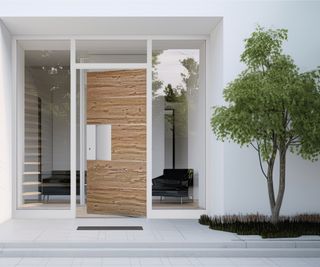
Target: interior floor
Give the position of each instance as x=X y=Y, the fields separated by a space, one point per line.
x=46 y=206
x=174 y=203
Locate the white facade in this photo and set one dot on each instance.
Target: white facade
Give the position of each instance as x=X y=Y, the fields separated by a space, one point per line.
x=234 y=183
x=6 y=115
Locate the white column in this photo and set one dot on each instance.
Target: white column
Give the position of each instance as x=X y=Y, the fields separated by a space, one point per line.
x=7 y=125
x=82 y=137
x=149 y=126
x=73 y=127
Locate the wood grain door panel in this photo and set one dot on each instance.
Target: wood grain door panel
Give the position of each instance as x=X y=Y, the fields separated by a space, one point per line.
x=126 y=202
x=129 y=142
x=130 y=110
x=116 y=174
x=118 y=186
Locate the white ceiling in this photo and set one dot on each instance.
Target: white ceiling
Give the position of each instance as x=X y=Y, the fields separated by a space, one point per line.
x=110 y=25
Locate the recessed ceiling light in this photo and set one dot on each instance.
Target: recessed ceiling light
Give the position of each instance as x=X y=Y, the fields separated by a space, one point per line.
x=45 y=54
x=53 y=71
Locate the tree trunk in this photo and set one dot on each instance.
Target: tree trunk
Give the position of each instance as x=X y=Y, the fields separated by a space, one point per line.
x=270 y=179
x=282 y=184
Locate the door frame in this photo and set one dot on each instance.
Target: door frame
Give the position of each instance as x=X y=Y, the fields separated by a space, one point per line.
x=74 y=66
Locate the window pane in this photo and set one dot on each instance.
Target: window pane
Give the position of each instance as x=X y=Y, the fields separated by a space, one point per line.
x=178 y=125
x=111 y=51
x=45 y=181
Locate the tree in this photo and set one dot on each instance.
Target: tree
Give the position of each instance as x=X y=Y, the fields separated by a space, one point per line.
x=156 y=83
x=171 y=95
x=272 y=107
x=191 y=79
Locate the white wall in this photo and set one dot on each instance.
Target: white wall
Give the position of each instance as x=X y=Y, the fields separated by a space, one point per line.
x=5 y=124
x=235 y=183
x=244 y=186
x=214 y=148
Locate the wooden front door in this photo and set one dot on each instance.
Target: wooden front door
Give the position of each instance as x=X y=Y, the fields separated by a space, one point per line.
x=118 y=186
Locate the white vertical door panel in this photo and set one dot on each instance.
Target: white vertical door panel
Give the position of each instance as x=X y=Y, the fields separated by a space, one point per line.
x=103 y=142
x=91 y=142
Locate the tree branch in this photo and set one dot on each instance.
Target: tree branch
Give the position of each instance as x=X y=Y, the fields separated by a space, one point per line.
x=254 y=146
x=288 y=123
x=260 y=162
x=293 y=141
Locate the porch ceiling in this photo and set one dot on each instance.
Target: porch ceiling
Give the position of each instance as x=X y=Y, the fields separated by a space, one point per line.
x=110 y=25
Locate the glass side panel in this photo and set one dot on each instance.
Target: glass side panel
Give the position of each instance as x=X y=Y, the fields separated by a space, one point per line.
x=111 y=51
x=45 y=179
x=178 y=125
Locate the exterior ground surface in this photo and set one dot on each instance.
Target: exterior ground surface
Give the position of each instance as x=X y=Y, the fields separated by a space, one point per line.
x=165 y=261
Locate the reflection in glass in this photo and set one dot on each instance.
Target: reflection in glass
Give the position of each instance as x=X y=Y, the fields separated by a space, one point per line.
x=111 y=51
x=46 y=165
x=178 y=126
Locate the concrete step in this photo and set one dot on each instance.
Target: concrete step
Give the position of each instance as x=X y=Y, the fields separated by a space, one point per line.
x=162 y=249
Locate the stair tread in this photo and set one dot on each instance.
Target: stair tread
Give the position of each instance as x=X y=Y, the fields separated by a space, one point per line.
x=30 y=173
x=31 y=183
x=31 y=193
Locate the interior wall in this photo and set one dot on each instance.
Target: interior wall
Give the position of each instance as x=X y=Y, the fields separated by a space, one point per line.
x=5 y=124
x=61 y=131
x=55 y=120
x=181 y=137
x=168 y=144
x=40 y=85
x=158 y=136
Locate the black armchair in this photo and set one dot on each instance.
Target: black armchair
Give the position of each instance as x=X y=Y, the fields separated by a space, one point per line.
x=173 y=183
x=58 y=184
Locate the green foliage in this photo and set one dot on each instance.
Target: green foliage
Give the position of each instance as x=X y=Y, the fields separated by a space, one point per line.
x=191 y=79
x=156 y=83
x=271 y=104
x=173 y=94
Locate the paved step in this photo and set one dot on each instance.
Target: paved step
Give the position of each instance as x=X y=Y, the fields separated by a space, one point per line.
x=162 y=249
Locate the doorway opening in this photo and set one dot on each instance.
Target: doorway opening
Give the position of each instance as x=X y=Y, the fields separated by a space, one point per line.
x=112 y=136
x=111 y=127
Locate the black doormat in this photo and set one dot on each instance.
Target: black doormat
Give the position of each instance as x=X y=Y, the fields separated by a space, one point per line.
x=110 y=228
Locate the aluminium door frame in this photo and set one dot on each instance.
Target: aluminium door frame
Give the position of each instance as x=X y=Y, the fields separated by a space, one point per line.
x=84 y=67
x=74 y=66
